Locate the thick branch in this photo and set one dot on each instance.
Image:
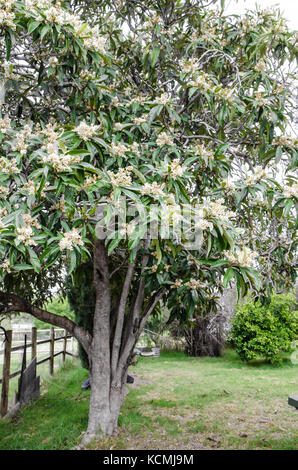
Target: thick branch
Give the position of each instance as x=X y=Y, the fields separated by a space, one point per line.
x=14 y=303
x=121 y=312
x=134 y=335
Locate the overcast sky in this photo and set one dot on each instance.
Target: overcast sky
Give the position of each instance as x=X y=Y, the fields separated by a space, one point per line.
x=289 y=8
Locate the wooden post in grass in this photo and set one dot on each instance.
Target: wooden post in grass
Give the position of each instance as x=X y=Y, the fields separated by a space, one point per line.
x=6 y=374
x=52 y=348
x=33 y=342
x=64 y=345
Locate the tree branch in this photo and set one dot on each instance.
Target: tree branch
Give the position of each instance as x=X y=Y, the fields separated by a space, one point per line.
x=13 y=303
x=121 y=312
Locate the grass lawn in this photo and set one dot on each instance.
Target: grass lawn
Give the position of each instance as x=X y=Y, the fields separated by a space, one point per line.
x=176 y=402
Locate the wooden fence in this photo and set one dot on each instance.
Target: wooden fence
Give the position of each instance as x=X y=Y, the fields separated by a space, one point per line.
x=9 y=350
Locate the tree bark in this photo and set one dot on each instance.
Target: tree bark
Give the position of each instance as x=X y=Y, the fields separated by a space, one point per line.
x=107 y=386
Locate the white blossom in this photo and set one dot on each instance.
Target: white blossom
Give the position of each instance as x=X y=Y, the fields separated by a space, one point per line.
x=69 y=239
x=24 y=236
x=86 y=131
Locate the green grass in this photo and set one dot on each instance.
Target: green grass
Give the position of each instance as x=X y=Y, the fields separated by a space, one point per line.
x=176 y=402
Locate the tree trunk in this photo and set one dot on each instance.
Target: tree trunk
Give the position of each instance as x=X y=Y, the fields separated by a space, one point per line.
x=108 y=390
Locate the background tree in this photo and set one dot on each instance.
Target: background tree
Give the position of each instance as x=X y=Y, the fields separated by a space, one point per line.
x=170 y=105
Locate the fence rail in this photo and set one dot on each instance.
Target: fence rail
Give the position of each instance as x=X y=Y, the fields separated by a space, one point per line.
x=9 y=350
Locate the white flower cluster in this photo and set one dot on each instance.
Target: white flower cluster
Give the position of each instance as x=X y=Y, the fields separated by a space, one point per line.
x=202 y=81
x=7 y=16
x=30 y=4
x=201 y=150
x=55 y=14
x=135 y=149
x=140 y=120
x=171 y=213
x=60 y=206
x=118 y=126
x=30 y=221
x=122 y=177
x=8 y=71
x=86 y=131
x=127 y=229
x=3 y=213
x=195 y=284
x=4 y=124
x=32 y=187
x=153 y=21
x=244 y=257
x=3 y=192
x=228 y=186
x=25 y=233
x=24 y=236
x=95 y=42
x=258 y=174
x=203 y=224
x=164 y=139
x=70 y=238
x=9 y=166
x=286 y=140
x=291 y=191
x=260 y=66
x=189 y=65
x=177 y=284
x=90 y=181
x=20 y=145
x=87 y=75
x=218 y=210
x=50 y=132
x=260 y=99
x=5 y=265
x=164 y=98
x=152 y=189
x=176 y=169
x=53 y=61
x=139 y=99
x=119 y=149
x=60 y=161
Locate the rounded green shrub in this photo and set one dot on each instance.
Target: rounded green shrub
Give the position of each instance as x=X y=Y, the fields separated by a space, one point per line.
x=265 y=330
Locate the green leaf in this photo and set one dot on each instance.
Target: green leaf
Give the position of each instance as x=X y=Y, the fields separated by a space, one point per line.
x=213 y=263
x=114 y=243
x=154 y=56
x=32 y=25
x=34 y=259
x=22 y=267
x=73 y=261
x=8 y=43
x=230 y=273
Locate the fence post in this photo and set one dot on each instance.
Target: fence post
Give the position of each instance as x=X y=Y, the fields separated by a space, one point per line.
x=64 y=345
x=33 y=342
x=52 y=348
x=6 y=374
